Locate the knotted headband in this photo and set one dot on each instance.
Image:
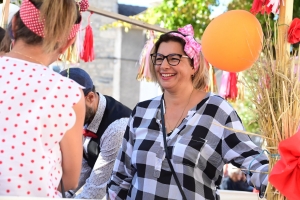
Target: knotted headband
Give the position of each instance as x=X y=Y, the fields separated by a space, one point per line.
x=192 y=48
x=30 y=16
x=83 y=5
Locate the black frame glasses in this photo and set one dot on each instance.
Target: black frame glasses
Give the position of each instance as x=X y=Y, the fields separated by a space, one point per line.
x=173 y=59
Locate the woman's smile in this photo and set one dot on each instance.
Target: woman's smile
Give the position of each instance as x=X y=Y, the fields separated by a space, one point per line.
x=167 y=76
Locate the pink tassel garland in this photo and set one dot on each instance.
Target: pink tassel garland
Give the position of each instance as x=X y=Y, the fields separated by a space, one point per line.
x=144 y=67
x=228 y=88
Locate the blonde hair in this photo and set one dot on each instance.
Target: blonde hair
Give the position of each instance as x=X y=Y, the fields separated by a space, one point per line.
x=59 y=15
x=200 y=78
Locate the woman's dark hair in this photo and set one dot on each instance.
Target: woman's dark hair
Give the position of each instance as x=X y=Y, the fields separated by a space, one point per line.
x=2 y=33
x=6 y=40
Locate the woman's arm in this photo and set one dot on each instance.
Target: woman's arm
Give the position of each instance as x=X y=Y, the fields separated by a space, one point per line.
x=71 y=148
x=239 y=150
x=122 y=174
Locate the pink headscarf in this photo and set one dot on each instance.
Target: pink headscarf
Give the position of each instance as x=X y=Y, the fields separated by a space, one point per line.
x=30 y=16
x=192 y=48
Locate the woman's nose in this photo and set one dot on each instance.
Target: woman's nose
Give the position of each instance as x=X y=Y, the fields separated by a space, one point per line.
x=165 y=63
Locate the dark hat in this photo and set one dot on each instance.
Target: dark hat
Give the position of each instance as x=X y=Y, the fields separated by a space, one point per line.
x=81 y=77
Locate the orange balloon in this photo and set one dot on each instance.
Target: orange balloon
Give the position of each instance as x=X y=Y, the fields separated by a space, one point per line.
x=233 y=41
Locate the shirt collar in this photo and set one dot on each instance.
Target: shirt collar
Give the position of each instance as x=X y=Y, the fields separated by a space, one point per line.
x=94 y=125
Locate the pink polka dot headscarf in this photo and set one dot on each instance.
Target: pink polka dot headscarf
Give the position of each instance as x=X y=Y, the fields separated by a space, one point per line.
x=30 y=16
x=192 y=48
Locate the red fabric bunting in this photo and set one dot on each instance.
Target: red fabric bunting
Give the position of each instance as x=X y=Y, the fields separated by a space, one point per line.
x=285 y=175
x=229 y=89
x=233 y=92
x=261 y=6
x=87 y=54
x=294 y=31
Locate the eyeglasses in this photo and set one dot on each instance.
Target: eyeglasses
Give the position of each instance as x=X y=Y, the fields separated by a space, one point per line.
x=173 y=59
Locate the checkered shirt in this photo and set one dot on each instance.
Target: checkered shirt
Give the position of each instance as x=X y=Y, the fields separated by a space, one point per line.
x=199 y=148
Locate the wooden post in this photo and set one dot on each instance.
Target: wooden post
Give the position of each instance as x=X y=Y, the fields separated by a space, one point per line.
x=285 y=18
x=5 y=13
x=282 y=59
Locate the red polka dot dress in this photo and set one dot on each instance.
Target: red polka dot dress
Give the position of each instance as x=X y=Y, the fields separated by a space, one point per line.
x=35 y=112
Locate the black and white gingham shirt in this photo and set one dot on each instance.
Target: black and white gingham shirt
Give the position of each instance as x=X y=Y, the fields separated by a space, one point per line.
x=199 y=149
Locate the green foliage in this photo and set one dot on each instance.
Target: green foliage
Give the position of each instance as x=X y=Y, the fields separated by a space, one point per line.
x=172 y=14
x=245 y=106
x=246 y=110
x=17 y=2
x=296 y=9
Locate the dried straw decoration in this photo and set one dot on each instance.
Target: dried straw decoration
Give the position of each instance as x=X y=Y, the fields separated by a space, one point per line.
x=275 y=87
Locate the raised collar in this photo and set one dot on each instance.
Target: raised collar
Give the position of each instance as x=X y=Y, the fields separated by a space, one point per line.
x=94 y=125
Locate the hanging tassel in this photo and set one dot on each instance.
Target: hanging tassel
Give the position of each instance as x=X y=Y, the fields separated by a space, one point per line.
x=256 y=6
x=224 y=88
x=87 y=53
x=144 y=66
x=233 y=91
x=274 y=5
x=265 y=6
x=228 y=89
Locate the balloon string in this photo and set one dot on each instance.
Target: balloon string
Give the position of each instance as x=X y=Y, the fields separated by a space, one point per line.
x=272 y=156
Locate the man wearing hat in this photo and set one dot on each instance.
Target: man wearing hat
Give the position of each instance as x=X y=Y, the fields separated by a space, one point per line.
x=105 y=123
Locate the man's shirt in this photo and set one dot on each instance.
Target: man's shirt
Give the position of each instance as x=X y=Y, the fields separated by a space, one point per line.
x=95 y=180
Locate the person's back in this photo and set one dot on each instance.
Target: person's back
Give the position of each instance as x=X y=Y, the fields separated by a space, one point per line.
x=41 y=113
x=36 y=106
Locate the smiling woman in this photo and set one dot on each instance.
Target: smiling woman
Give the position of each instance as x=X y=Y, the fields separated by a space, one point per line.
x=188 y=162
